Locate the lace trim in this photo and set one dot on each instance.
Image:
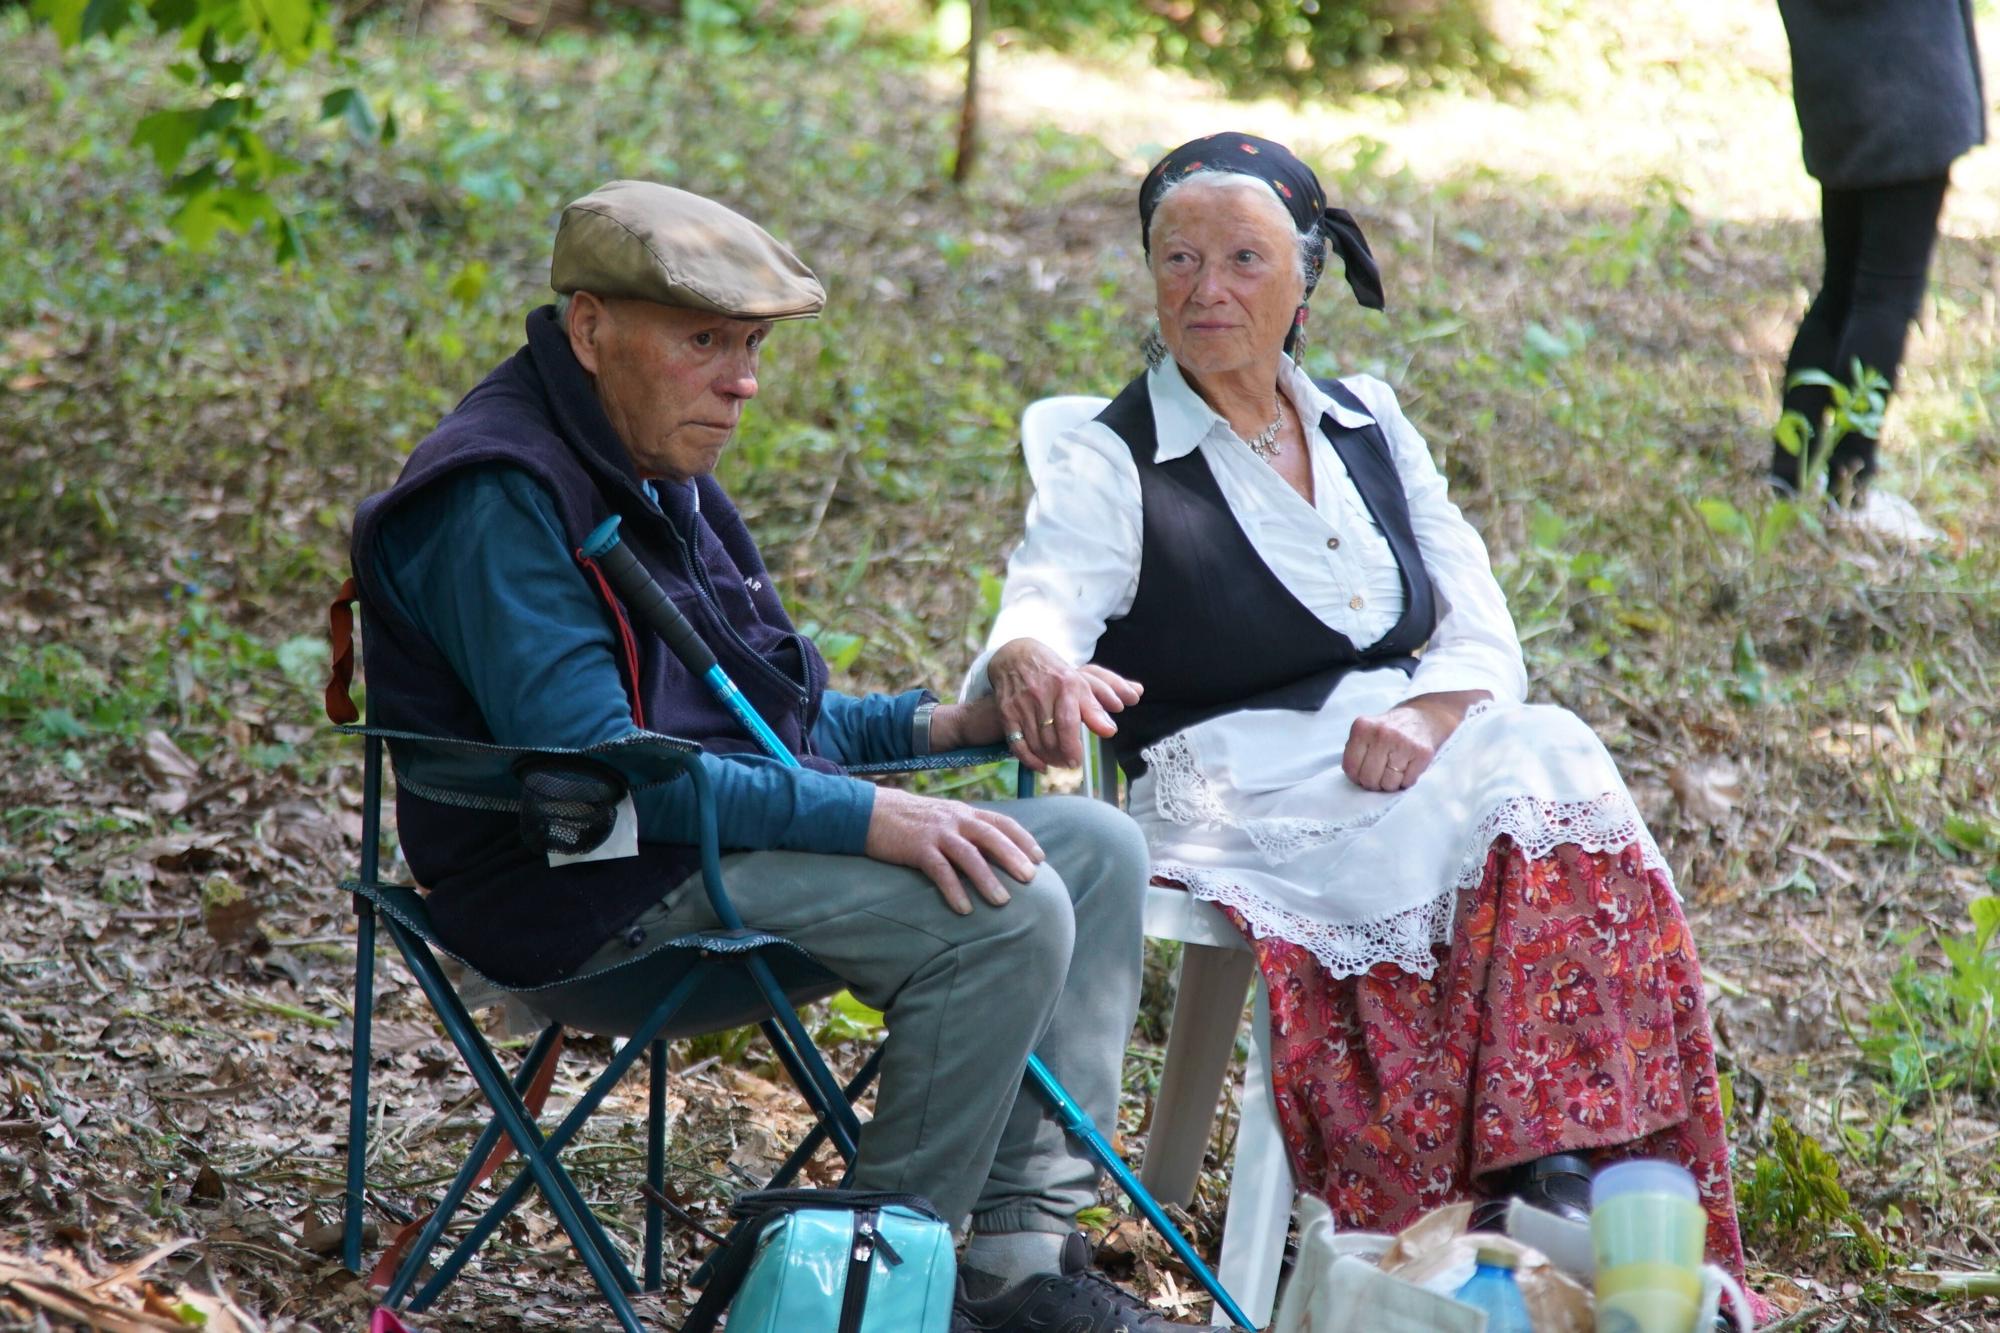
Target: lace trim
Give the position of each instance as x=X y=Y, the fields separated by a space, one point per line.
x=1345 y=949
x=1607 y=823
x=1181 y=791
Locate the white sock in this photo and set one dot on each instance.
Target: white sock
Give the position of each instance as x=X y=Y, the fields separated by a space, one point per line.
x=997 y=1260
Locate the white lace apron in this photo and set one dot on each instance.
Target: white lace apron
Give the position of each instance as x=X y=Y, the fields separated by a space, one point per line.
x=1252 y=810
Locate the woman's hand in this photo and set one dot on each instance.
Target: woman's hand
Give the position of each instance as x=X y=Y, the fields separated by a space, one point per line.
x=1044 y=701
x=1390 y=751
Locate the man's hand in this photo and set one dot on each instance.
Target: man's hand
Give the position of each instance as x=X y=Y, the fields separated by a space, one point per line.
x=1044 y=701
x=1390 y=751
x=947 y=839
x=962 y=726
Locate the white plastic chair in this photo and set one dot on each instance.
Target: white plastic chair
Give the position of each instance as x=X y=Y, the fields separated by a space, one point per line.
x=1216 y=969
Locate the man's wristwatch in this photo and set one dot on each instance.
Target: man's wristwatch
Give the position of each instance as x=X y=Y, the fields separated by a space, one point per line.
x=920 y=723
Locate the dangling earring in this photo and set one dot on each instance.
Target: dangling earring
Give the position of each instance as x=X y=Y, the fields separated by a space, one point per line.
x=1154 y=347
x=1298 y=338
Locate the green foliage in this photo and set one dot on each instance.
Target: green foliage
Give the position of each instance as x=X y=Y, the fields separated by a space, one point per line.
x=1793 y=1195
x=1858 y=405
x=1939 y=1031
x=1252 y=46
x=219 y=164
x=848 y=1019
x=1651 y=239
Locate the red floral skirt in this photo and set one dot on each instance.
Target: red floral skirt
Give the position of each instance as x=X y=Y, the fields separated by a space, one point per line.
x=1566 y=1016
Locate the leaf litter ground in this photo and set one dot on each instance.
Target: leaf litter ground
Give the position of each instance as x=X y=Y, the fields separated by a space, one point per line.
x=1589 y=339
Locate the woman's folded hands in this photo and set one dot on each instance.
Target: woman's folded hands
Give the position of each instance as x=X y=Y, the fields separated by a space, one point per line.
x=1389 y=751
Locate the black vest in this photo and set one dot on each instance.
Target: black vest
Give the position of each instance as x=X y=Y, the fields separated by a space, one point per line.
x=496 y=904
x=1212 y=630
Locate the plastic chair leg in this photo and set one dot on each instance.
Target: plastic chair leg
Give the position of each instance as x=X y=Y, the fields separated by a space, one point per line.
x=1260 y=1183
x=1208 y=1010
x=818 y=1134
x=836 y=1118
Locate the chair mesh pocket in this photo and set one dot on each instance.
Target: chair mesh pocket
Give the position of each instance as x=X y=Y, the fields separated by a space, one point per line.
x=568 y=805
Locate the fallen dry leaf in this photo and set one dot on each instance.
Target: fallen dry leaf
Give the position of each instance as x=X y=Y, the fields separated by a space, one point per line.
x=1705 y=790
x=166 y=763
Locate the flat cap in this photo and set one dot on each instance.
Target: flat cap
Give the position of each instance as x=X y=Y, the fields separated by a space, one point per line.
x=655 y=243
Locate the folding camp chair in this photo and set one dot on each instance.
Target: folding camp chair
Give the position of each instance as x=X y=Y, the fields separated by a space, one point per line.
x=733 y=976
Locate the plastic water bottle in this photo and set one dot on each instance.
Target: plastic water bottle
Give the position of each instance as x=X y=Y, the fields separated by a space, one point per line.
x=1492 y=1288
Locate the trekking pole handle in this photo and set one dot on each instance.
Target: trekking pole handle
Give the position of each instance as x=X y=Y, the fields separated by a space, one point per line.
x=643 y=594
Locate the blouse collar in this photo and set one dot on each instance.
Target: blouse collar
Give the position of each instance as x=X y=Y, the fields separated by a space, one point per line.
x=1181 y=420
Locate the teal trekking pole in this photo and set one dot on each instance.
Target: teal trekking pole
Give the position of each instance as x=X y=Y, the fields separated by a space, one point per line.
x=1084 y=1130
x=652 y=605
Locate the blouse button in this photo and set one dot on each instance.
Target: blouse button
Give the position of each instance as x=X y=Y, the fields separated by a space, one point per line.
x=1333 y=543
x=1355 y=601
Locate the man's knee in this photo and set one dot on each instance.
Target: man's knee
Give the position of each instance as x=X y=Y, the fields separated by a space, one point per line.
x=1092 y=843
x=1034 y=933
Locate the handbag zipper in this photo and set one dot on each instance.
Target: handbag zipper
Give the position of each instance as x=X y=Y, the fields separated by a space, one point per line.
x=860 y=1266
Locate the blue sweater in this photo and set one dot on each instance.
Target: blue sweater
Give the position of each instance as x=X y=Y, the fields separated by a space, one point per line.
x=479 y=563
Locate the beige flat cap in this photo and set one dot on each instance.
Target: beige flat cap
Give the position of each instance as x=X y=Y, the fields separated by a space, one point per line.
x=655 y=243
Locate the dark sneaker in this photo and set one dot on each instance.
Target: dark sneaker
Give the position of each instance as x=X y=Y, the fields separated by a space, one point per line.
x=1076 y=1299
x=1558 y=1183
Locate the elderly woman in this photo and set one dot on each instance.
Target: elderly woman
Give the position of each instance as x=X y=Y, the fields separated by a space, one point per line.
x=1481 y=981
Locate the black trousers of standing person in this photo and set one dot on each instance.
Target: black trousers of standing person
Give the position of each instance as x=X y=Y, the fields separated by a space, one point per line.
x=1878 y=253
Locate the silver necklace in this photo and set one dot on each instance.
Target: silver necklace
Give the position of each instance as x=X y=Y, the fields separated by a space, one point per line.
x=1265 y=443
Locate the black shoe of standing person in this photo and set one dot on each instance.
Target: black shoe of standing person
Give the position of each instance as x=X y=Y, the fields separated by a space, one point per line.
x=1558 y=1183
x=1075 y=1299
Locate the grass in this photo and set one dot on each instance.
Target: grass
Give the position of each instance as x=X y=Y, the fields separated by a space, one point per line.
x=1590 y=340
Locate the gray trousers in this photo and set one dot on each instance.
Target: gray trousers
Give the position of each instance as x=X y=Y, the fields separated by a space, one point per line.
x=965 y=999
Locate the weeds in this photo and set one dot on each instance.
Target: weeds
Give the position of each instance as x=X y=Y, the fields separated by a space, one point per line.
x=1939 y=1031
x=1793 y=1195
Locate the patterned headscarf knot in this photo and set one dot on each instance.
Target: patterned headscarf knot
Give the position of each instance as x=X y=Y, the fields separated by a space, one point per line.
x=1292 y=183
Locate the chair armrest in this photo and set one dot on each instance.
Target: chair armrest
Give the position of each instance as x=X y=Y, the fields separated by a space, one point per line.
x=930 y=763
x=643 y=758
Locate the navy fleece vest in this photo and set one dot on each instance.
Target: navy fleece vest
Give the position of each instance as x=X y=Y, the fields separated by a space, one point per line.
x=1211 y=629
x=497 y=904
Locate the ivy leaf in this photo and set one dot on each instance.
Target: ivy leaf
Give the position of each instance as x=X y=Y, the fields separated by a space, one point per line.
x=290 y=24
x=470 y=282
x=349 y=105
x=1723 y=518
x=105 y=16
x=168 y=135
x=1985 y=920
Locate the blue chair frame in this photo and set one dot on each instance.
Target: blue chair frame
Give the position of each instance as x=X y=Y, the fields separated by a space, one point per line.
x=645 y=759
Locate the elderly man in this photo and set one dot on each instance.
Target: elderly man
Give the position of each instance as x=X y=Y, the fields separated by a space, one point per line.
x=982 y=935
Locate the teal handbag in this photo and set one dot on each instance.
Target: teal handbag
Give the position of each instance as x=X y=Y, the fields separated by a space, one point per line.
x=832 y=1261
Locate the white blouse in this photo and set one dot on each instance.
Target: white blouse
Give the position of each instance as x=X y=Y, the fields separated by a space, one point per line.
x=1252 y=809
x=1078 y=566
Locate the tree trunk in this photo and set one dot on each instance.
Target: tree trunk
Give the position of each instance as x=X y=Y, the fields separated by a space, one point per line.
x=968 y=112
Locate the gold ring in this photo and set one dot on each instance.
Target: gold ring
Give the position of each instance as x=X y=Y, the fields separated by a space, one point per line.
x=1048 y=722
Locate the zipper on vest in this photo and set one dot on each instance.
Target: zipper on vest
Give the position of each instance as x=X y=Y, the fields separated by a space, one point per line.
x=699 y=573
x=861 y=1266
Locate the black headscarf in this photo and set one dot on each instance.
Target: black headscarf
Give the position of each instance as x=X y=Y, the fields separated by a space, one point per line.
x=1294 y=185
